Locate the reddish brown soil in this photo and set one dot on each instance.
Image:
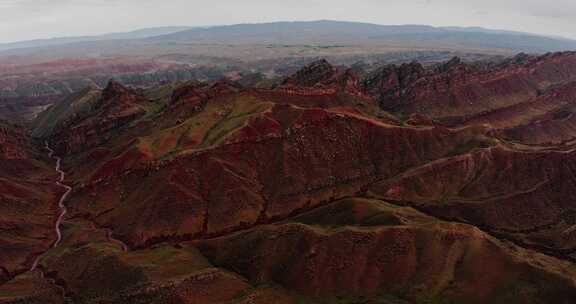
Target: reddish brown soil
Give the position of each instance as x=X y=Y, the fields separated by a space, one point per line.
x=311 y=192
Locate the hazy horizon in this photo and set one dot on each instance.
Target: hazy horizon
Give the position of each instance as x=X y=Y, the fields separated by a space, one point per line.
x=41 y=19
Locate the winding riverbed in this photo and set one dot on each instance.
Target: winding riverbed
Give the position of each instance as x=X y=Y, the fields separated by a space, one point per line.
x=61 y=206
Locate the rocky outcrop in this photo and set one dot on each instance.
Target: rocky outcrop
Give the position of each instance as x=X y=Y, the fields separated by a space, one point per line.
x=115 y=108
x=116 y=94
x=192 y=95
x=457 y=90
x=312 y=74
x=320 y=78
x=392 y=81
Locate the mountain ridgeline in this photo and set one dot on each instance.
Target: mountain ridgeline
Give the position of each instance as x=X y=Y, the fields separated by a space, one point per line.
x=324 y=32
x=346 y=33
x=34 y=74
x=407 y=183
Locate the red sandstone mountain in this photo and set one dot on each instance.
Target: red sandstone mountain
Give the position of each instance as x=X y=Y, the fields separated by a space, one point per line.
x=309 y=192
x=28 y=201
x=462 y=91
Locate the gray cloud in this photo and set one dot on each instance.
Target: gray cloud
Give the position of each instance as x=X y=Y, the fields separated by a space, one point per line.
x=35 y=5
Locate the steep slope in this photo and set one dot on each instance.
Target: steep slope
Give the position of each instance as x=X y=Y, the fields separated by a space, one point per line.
x=522 y=196
x=28 y=201
x=309 y=192
x=88 y=120
x=289 y=140
x=381 y=251
x=457 y=91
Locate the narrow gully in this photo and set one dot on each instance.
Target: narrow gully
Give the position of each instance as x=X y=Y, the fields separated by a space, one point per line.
x=61 y=205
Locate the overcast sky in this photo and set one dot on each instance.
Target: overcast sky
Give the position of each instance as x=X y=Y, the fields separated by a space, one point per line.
x=30 y=19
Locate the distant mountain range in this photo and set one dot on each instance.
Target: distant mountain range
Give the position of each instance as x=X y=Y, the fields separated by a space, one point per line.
x=137 y=34
x=320 y=33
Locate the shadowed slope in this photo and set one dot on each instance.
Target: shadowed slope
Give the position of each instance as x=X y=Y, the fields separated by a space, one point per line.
x=264 y=193
x=28 y=201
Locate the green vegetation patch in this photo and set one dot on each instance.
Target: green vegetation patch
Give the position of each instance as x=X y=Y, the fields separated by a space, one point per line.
x=361 y=212
x=167 y=262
